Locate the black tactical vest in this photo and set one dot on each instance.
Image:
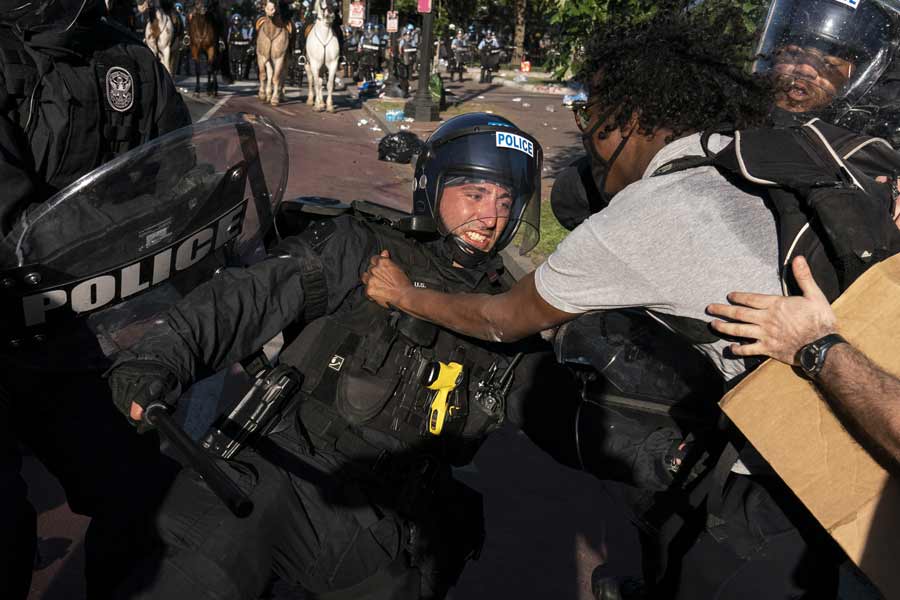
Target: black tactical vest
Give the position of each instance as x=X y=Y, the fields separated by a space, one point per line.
x=363 y=371
x=81 y=108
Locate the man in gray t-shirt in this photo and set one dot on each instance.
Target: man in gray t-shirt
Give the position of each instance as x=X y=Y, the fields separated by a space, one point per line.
x=690 y=236
x=669 y=243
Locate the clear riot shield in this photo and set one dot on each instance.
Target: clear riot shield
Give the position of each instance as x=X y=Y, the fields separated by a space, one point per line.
x=126 y=241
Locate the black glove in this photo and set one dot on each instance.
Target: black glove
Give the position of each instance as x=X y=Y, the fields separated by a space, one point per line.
x=143 y=382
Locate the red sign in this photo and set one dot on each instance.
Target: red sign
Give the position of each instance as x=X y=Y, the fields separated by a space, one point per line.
x=357 y=14
x=393 y=21
x=424 y=6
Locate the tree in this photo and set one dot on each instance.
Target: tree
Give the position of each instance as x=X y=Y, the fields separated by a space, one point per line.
x=519 y=39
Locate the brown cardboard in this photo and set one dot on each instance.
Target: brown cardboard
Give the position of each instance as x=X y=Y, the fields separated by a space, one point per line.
x=787 y=420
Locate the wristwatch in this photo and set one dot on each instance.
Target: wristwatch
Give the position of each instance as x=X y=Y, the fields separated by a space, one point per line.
x=812 y=356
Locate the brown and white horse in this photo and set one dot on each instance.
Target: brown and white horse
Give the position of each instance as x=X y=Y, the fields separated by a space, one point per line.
x=204 y=40
x=159 y=34
x=273 y=40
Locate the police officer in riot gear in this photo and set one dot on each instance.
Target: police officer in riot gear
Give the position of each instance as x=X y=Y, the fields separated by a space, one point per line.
x=836 y=62
x=84 y=90
x=824 y=57
x=352 y=490
x=238 y=47
x=369 y=53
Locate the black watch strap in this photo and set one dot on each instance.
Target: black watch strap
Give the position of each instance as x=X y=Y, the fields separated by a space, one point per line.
x=812 y=356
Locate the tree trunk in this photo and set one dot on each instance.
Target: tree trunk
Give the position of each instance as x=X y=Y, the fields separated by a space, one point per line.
x=519 y=40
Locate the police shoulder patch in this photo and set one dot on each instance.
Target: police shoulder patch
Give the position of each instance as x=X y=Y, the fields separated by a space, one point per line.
x=119 y=89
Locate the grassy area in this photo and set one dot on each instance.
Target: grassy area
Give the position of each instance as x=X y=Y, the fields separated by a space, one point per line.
x=552 y=233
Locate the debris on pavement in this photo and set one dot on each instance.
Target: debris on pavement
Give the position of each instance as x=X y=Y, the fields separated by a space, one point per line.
x=550 y=108
x=526 y=105
x=516 y=99
x=520 y=79
x=399 y=147
x=362 y=122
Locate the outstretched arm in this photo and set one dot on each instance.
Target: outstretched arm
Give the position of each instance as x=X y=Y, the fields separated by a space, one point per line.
x=505 y=317
x=865 y=395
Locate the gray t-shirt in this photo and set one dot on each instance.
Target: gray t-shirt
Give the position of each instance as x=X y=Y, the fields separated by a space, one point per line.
x=672 y=243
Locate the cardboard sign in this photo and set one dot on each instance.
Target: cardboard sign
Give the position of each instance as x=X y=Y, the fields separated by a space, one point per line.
x=424 y=6
x=787 y=420
x=357 y=14
x=393 y=21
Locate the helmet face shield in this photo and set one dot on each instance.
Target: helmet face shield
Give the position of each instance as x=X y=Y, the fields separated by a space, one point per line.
x=484 y=188
x=821 y=53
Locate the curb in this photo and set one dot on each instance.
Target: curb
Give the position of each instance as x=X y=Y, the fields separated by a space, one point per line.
x=382 y=122
x=553 y=90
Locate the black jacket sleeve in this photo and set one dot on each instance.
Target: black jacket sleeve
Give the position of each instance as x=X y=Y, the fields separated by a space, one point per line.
x=15 y=170
x=232 y=316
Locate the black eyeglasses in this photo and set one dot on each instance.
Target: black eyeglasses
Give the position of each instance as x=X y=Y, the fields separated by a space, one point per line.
x=582 y=112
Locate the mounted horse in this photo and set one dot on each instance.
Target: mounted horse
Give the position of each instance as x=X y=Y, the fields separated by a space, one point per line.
x=205 y=36
x=159 y=34
x=322 y=48
x=273 y=40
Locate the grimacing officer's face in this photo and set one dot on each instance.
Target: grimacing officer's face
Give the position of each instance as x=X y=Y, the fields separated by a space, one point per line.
x=808 y=79
x=477 y=213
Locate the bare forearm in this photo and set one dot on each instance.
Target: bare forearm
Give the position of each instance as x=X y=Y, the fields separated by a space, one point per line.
x=866 y=395
x=506 y=317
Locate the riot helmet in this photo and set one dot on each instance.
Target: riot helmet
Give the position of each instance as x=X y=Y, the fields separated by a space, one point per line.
x=825 y=55
x=47 y=15
x=236 y=20
x=492 y=172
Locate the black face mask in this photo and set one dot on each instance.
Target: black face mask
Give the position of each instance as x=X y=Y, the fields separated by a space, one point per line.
x=600 y=167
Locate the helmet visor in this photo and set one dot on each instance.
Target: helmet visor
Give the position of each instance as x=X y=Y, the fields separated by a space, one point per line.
x=824 y=52
x=493 y=199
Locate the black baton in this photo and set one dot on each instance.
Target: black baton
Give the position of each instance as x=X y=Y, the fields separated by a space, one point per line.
x=200 y=460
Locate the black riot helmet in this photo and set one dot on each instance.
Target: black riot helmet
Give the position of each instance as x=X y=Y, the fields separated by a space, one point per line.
x=826 y=55
x=490 y=161
x=37 y=16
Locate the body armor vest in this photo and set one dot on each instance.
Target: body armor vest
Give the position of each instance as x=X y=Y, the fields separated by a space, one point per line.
x=363 y=371
x=77 y=112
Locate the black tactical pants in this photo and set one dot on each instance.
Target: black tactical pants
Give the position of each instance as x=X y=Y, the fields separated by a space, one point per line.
x=108 y=471
x=765 y=545
x=310 y=526
x=17 y=517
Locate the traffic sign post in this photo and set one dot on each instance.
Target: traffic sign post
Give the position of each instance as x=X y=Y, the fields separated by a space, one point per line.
x=393 y=21
x=357 y=14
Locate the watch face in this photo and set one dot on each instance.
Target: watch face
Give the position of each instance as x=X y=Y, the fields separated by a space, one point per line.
x=808 y=356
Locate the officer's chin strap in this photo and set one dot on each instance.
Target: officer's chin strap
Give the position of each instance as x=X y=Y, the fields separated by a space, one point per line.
x=471 y=258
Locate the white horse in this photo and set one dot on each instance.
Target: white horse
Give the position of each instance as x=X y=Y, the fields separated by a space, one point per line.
x=159 y=35
x=322 y=47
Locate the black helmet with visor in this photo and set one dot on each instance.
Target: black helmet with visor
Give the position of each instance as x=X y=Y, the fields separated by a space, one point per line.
x=469 y=151
x=825 y=55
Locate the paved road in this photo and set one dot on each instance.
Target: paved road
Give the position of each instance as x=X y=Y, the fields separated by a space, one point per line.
x=548 y=526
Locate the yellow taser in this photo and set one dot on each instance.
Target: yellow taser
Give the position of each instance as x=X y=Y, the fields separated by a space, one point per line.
x=443 y=379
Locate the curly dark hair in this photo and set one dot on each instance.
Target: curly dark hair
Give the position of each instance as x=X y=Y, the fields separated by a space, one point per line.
x=684 y=70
